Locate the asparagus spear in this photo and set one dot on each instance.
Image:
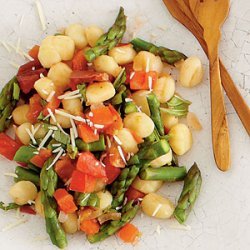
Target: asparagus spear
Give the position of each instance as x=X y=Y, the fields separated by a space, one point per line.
x=121 y=185
x=93 y=146
x=9 y=206
x=118 y=98
x=27 y=175
x=130 y=107
x=8 y=99
x=128 y=213
x=48 y=183
x=189 y=194
x=164 y=173
x=166 y=55
x=87 y=199
x=110 y=39
x=24 y=154
x=154 y=106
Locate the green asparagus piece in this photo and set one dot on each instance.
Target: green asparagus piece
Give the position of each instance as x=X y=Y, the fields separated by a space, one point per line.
x=128 y=213
x=119 y=97
x=8 y=99
x=189 y=194
x=59 y=136
x=9 y=206
x=154 y=106
x=82 y=88
x=164 y=173
x=122 y=183
x=166 y=55
x=72 y=151
x=177 y=106
x=93 y=146
x=130 y=107
x=27 y=175
x=87 y=199
x=110 y=39
x=48 y=183
x=120 y=79
x=24 y=154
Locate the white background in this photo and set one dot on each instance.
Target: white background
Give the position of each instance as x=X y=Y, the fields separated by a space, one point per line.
x=221 y=216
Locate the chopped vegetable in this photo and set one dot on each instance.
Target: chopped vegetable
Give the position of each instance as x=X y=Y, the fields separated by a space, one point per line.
x=129 y=233
x=133 y=194
x=90 y=227
x=33 y=52
x=79 y=62
x=142 y=80
x=8 y=147
x=86 y=133
x=39 y=160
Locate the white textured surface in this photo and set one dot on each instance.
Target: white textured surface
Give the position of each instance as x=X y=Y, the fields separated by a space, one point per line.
x=221 y=217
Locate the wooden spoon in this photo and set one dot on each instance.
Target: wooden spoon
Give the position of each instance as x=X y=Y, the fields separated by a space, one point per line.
x=180 y=10
x=211 y=14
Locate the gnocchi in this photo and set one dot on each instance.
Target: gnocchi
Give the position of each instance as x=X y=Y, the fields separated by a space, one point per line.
x=180 y=138
x=157 y=206
x=61 y=120
x=105 y=198
x=60 y=75
x=191 y=72
x=107 y=64
x=38 y=204
x=19 y=114
x=44 y=86
x=123 y=54
x=146 y=186
x=140 y=99
x=168 y=120
x=139 y=123
x=146 y=61
x=22 y=192
x=93 y=33
x=73 y=106
x=70 y=226
x=99 y=92
x=22 y=133
x=128 y=142
x=77 y=33
x=164 y=88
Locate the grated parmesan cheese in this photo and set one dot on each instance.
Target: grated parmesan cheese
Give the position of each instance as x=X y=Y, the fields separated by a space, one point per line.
x=11 y=175
x=56 y=158
x=52 y=115
x=53 y=128
x=41 y=15
x=156 y=210
x=150 y=83
x=147 y=65
x=117 y=140
x=108 y=141
x=91 y=114
x=56 y=150
x=56 y=144
x=72 y=97
x=69 y=94
x=47 y=136
x=74 y=127
x=132 y=75
x=61 y=129
x=62 y=113
x=72 y=138
x=50 y=96
x=6 y=46
x=121 y=154
x=31 y=136
x=128 y=100
x=97 y=125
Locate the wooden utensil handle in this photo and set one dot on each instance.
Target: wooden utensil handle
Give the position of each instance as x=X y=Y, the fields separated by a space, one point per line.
x=235 y=97
x=220 y=132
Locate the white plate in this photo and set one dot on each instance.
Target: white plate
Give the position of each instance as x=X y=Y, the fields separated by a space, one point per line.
x=221 y=218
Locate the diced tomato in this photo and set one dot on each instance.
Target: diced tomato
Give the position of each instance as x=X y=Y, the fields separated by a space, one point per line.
x=90 y=227
x=114 y=156
x=27 y=79
x=65 y=201
x=129 y=233
x=86 y=133
x=166 y=130
x=79 y=62
x=102 y=116
x=128 y=70
x=88 y=164
x=133 y=194
x=39 y=160
x=29 y=66
x=34 y=52
x=123 y=44
x=140 y=80
x=117 y=123
x=52 y=105
x=81 y=182
x=8 y=146
x=35 y=107
x=111 y=172
x=27 y=210
x=78 y=77
x=64 y=168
